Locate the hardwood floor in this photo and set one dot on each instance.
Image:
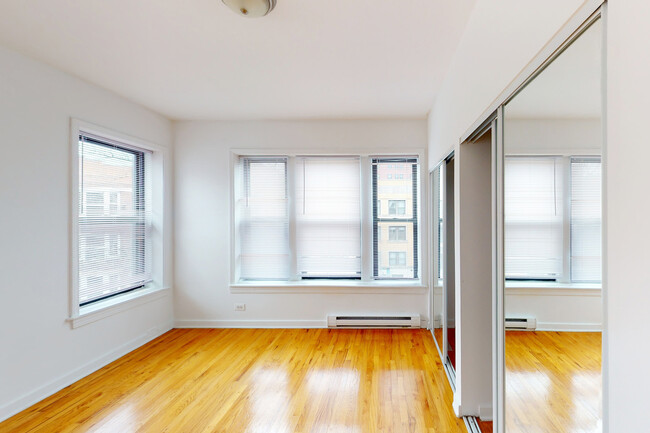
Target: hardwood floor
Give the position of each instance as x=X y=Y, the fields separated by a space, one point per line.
x=259 y=381
x=553 y=383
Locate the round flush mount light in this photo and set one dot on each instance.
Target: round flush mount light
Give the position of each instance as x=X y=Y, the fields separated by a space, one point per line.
x=251 y=8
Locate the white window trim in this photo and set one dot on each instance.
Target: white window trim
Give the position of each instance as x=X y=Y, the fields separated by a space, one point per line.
x=79 y=316
x=367 y=284
x=552 y=288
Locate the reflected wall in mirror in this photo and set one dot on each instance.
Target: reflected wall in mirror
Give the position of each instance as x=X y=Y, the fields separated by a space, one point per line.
x=552 y=212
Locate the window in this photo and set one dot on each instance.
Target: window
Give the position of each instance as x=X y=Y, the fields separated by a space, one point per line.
x=533 y=218
x=586 y=208
x=328 y=217
x=397 y=233
x=553 y=218
x=264 y=222
x=402 y=208
x=113 y=219
x=302 y=217
x=396 y=207
x=397 y=258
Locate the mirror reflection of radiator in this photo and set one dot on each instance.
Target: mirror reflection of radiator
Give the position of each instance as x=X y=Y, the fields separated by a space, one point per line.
x=392 y=321
x=521 y=324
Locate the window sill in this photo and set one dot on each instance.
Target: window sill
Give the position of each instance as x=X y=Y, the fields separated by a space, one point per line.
x=330 y=286
x=102 y=309
x=552 y=288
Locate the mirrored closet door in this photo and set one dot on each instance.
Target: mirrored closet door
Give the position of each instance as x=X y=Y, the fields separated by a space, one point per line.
x=552 y=244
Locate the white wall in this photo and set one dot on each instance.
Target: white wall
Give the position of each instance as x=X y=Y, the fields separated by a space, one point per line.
x=557 y=309
x=40 y=352
x=501 y=37
x=202 y=220
x=552 y=136
x=626 y=352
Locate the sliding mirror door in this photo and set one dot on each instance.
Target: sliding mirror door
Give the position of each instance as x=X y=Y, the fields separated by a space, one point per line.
x=437 y=274
x=448 y=268
x=552 y=246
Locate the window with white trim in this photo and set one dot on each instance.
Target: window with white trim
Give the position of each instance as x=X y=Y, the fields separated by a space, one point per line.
x=302 y=217
x=552 y=218
x=114 y=224
x=395 y=180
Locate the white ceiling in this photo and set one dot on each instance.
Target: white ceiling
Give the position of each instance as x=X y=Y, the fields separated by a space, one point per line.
x=570 y=87
x=196 y=59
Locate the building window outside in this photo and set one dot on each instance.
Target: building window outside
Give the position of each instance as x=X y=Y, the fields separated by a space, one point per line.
x=397 y=233
x=396 y=207
x=397 y=258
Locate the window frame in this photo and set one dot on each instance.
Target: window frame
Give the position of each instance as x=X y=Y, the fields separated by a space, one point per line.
x=159 y=287
x=367 y=283
x=139 y=200
x=377 y=219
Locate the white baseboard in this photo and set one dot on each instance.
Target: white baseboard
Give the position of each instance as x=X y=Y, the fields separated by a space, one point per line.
x=569 y=327
x=262 y=324
x=250 y=324
x=485 y=413
x=27 y=400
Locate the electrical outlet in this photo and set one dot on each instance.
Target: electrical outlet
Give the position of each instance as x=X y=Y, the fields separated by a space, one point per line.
x=240 y=307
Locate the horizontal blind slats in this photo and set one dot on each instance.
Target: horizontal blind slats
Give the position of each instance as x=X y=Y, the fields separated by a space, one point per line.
x=264 y=219
x=395 y=238
x=533 y=217
x=586 y=205
x=114 y=221
x=328 y=217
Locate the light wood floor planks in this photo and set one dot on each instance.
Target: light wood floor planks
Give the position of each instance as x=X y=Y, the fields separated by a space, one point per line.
x=553 y=383
x=259 y=381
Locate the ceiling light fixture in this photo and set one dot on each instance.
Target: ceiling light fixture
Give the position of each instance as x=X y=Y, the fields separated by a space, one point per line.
x=251 y=8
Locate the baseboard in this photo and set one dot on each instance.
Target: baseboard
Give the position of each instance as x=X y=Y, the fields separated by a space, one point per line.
x=250 y=324
x=569 y=327
x=29 y=399
x=485 y=412
x=262 y=324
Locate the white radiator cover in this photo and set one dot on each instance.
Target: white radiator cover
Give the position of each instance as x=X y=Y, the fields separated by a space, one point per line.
x=374 y=321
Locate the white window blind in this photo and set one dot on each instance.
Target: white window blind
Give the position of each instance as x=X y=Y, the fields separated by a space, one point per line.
x=114 y=251
x=394 y=182
x=533 y=218
x=586 y=219
x=328 y=217
x=264 y=219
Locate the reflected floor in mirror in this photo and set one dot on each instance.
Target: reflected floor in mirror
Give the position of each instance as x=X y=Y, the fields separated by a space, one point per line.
x=553 y=382
x=259 y=380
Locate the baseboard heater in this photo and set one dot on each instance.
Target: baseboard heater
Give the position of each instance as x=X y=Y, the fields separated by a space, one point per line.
x=396 y=321
x=521 y=324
